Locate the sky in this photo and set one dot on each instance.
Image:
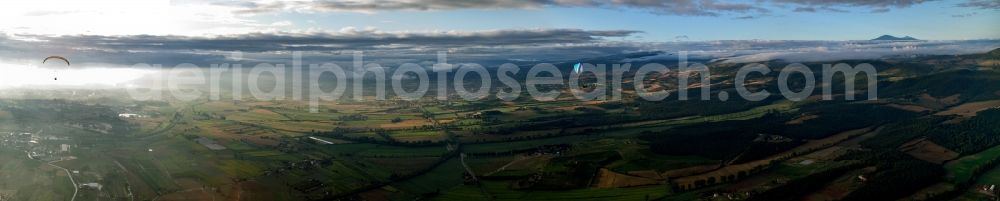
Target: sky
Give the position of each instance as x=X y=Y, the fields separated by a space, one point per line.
x=932 y=20
x=116 y=33
x=667 y=20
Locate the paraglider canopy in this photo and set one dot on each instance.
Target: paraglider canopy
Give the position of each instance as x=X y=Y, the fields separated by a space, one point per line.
x=577 y=68
x=56 y=58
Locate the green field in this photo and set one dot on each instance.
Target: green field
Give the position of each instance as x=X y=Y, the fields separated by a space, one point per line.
x=961 y=169
x=383 y=150
x=445 y=176
x=500 y=192
x=32 y=180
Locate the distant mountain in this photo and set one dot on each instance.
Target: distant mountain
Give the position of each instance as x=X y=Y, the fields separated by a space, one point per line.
x=890 y=37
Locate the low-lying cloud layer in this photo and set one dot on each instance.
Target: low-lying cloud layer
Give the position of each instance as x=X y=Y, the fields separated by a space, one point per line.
x=484 y=47
x=748 y=51
x=665 y=7
x=669 y=7
x=982 y=4
x=857 y=3
x=390 y=47
x=349 y=38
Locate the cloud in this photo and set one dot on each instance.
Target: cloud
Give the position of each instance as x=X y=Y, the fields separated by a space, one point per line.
x=117 y=17
x=856 y=3
x=833 y=9
x=982 y=4
x=816 y=51
x=347 y=38
x=805 y=9
x=389 y=47
x=283 y=23
x=964 y=15
x=880 y=10
x=817 y=9
x=843 y=6
x=665 y=7
x=746 y=51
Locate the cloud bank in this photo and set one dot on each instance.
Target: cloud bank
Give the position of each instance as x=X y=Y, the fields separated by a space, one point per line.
x=388 y=47
x=982 y=4
x=523 y=46
x=666 y=7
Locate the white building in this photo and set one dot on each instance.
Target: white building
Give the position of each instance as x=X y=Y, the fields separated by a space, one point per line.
x=91 y=186
x=129 y=115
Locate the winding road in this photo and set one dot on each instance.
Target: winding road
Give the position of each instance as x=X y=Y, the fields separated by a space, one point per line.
x=76 y=189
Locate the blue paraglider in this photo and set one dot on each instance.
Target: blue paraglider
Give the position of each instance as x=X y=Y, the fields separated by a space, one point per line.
x=577 y=68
